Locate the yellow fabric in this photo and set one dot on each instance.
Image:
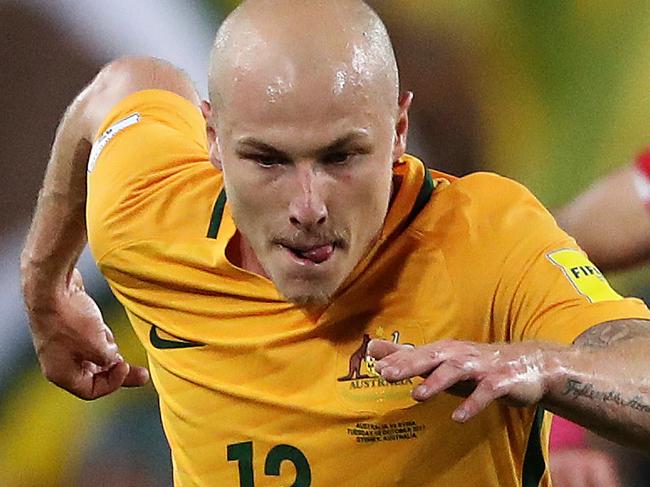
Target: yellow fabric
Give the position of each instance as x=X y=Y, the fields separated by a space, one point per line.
x=471 y=265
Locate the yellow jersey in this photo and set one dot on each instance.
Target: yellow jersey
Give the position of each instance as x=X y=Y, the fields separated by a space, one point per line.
x=256 y=391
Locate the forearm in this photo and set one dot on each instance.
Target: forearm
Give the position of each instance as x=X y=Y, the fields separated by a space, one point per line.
x=605 y=387
x=58 y=231
x=610 y=221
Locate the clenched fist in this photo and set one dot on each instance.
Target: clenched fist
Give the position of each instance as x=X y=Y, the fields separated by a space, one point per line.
x=76 y=349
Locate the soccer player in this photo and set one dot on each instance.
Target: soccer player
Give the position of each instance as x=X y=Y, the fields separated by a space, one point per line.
x=305 y=291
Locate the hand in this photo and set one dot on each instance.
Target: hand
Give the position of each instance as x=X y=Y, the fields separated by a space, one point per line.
x=481 y=372
x=76 y=349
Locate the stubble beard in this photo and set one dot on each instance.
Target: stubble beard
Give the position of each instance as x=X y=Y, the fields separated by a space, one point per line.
x=313 y=300
x=319 y=297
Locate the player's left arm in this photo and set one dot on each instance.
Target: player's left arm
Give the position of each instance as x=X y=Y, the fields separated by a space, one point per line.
x=600 y=382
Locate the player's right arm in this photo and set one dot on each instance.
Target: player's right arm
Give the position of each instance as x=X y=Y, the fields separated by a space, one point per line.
x=75 y=348
x=611 y=220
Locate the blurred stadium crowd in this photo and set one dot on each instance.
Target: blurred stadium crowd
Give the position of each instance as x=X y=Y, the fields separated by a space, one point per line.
x=552 y=94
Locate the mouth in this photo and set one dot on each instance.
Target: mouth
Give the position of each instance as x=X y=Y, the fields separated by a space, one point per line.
x=310 y=254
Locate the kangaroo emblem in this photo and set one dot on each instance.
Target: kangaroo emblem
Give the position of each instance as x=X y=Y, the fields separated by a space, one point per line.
x=356 y=359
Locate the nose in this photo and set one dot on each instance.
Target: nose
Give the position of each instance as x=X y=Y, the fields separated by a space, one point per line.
x=307 y=209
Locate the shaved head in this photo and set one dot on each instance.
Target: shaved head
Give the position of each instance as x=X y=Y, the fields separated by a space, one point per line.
x=278 y=45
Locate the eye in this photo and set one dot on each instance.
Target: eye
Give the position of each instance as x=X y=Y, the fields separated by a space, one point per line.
x=267 y=160
x=337 y=158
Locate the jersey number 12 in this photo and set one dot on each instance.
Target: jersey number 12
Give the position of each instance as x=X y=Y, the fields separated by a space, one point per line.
x=242 y=453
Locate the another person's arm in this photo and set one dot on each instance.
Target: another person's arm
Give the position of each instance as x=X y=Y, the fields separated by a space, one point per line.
x=611 y=220
x=75 y=348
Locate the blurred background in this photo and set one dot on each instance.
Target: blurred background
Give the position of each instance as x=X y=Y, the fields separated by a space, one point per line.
x=553 y=94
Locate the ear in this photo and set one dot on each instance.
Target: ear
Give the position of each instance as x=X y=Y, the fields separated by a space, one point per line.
x=211 y=134
x=402 y=125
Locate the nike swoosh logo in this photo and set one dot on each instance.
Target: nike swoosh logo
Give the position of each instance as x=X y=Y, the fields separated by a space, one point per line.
x=163 y=343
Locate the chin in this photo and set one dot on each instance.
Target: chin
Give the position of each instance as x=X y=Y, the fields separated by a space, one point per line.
x=307 y=294
x=308 y=298
x=309 y=301
x=309 y=286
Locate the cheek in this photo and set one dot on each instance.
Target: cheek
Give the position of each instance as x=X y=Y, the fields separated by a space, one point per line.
x=375 y=191
x=252 y=201
x=365 y=199
x=258 y=201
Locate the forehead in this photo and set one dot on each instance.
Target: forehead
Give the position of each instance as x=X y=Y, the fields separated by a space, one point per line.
x=325 y=103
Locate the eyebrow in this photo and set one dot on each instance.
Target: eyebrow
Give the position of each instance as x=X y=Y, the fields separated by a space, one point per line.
x=344 y=140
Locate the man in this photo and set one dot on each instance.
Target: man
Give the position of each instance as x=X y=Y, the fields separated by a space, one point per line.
x=256 y=308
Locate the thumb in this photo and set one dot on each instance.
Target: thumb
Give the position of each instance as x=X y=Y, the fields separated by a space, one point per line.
x=136 y=377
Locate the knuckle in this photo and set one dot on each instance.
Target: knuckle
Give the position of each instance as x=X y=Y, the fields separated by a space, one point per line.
x=400 y=363
x=494 y=386
x=431 y=354
x=464 y=366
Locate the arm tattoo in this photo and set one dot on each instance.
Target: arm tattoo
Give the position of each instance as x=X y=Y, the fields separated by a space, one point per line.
x=610 y=332
x=575 y=389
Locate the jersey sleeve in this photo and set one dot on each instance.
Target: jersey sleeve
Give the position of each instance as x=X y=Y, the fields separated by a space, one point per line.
x=148 y=172
x=548 y=289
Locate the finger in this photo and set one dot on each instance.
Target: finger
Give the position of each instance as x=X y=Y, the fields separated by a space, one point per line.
x=90 y=382
x=378 y=349
x=68 y=374
x=137 y=377
x=409 y=362
x=102 y=354
x=441 y=379
x=486 y=392
x=106 y=382
x=102 y=349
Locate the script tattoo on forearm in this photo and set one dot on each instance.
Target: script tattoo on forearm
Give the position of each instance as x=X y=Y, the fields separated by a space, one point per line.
x=575 y=389
x=611 y=332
